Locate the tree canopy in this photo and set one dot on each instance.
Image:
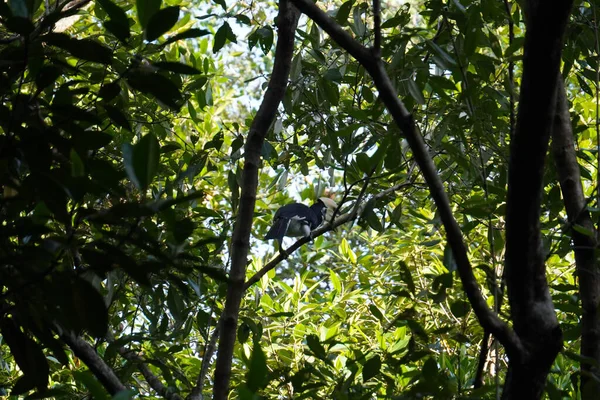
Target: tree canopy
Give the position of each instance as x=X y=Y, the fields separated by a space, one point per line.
x=145 y=146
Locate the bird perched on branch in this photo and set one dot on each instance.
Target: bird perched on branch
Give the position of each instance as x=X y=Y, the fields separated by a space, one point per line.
x=296 y=219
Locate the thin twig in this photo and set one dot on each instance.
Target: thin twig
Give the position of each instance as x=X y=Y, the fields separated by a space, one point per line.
x=405 y=121
x=377 y=28
x=152 y=379
x=350 y=216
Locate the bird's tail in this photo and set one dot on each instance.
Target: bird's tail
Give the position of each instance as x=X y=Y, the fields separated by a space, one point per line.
x=278 y=229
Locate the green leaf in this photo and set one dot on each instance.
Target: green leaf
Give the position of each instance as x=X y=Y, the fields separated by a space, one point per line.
x=583 y=230
x=120 y=31
x=176 y=67
x=146 y=9
x=141 y=161
x=376 y=312
x=406 y=276
x=118 y=24
x=372 y=218
x=415 y=91
x=399 y=20
x=109 y=91
x=449 y=261
x=222 y=4
x=268 y=152
x=359 y=25
x=91 y=383
x=430 y=369
x=242 y=19
x=313 y=343
x=265 y=38
x=70 y=112
x=158 y=86
x=190 y=33
x=371 y=368
x=118 y=117
x=364 y=162
x=90 y=308
x=258 y=373
x=33 y=6
x=86 y=49
x=333 y=75
x=460 y=308
x=77 y=168
x=28 y=356
x=175 y=303
x=161 y=22
x=243 y=333
x=344 y=12
x=444 y=59
x=47 y=76
x=223 y=34
x=183 y=229
x=335 y=281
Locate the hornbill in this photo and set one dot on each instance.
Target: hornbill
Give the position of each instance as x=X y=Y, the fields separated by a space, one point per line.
x=297 y=219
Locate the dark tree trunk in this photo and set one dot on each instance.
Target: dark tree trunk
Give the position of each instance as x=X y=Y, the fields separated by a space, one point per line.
x=532 y=310
x=240 y=243
x=565 y=158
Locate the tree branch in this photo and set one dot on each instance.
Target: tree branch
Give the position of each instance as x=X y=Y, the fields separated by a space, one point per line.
x=209 y=351
x=531 y=305
x=287 y=23
x=152 y=379
x=94 y=362
x=357 y=210
x=565 y=158
x=532 y=310
x=482 y=360
x=488 y=319
x=377 y=28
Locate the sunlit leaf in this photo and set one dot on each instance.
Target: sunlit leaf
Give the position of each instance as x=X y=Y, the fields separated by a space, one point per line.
x=141 y=160
x=258 y=373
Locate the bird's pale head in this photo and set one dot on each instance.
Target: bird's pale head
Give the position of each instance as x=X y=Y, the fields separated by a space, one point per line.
x=330 y=207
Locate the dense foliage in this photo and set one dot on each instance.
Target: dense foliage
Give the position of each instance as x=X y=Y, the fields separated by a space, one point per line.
x=120 y=165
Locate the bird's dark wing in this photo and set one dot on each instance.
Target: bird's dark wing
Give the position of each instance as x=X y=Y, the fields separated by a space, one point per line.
x=277 y=231
x=295 y=213
x=319 y=211
x=292 y=210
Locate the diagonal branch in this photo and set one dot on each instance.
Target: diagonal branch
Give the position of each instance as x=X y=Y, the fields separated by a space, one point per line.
x=152 y=379
x=376 y=68
x=356 y=211
x=377 y=28
x=209 y=351
x=94 y=362
x=565 y=158
x=531 y=306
